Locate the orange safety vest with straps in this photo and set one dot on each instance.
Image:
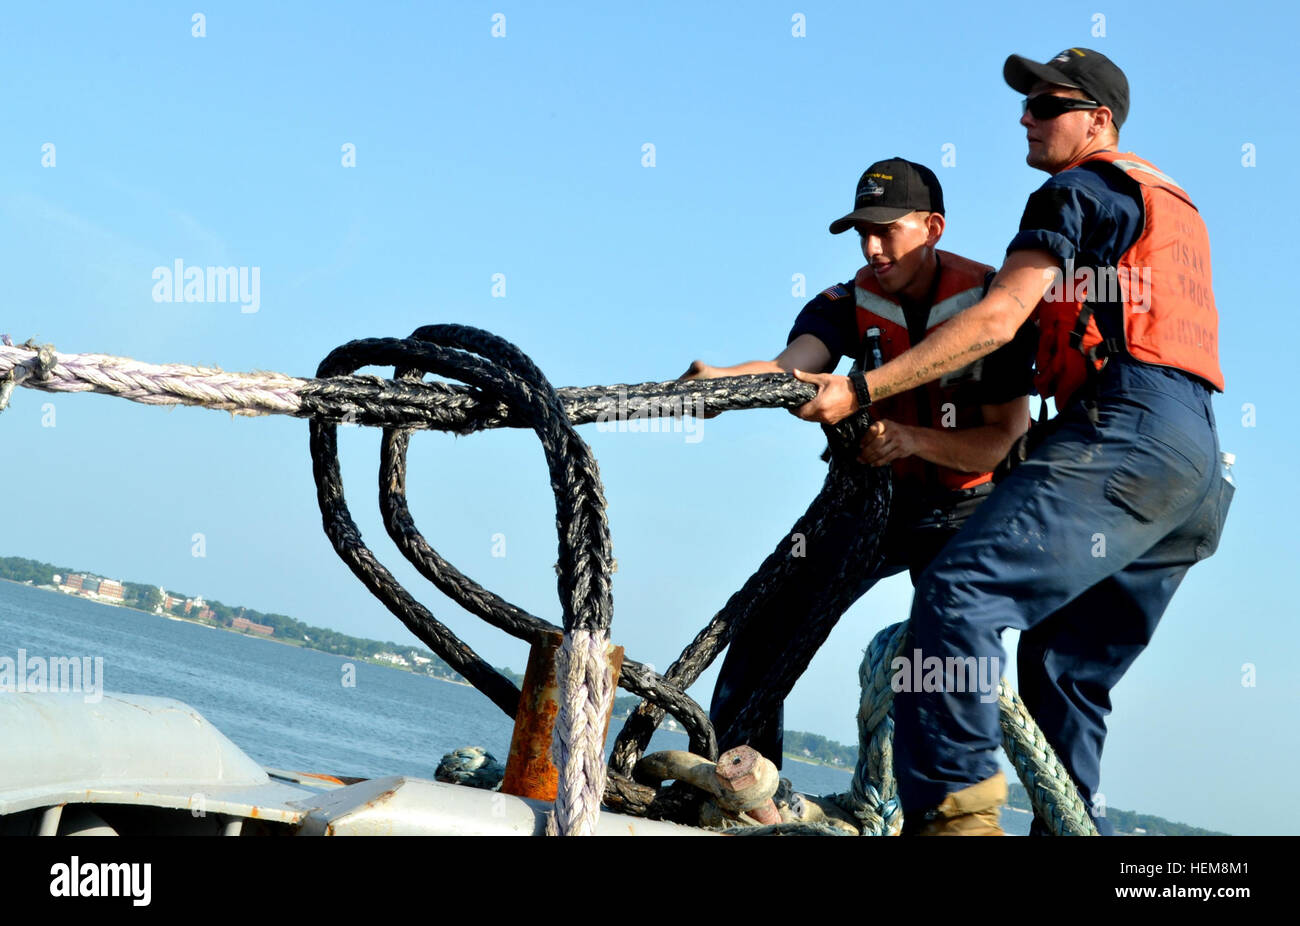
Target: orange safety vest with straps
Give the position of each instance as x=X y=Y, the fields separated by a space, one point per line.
x=939 y=403
x=1162 y=281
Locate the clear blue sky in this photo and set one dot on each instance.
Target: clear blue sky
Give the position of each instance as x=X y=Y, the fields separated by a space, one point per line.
x=522 y=155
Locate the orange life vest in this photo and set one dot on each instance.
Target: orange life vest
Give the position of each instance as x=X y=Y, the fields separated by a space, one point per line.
x=1163 y=282
x=939 y=403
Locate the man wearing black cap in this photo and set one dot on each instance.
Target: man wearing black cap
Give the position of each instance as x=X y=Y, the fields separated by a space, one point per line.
x=941 y=440
x=1083 y=545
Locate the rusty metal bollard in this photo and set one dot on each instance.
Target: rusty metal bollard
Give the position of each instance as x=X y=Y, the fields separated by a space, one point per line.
x=529 y=770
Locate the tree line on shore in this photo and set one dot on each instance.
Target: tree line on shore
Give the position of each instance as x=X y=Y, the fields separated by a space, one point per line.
x=286 y=629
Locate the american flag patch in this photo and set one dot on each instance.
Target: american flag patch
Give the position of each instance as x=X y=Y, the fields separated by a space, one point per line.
x=835 y=292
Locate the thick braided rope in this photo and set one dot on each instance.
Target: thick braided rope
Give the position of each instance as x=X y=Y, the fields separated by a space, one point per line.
x=585 y=555
x=873 y=798
x=495 y=610
x=508 y=374
x=1051 y=790
x=578 y=747
x=370 y=400
x=163 y=384
x=36 y=368
x=874 y=795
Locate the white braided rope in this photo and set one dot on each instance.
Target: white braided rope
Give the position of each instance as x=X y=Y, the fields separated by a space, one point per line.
x=258 y=393
x=578 y=746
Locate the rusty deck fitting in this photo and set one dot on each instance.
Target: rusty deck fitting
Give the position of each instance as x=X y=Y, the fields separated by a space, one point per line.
x=529 y=769
x=747 y=782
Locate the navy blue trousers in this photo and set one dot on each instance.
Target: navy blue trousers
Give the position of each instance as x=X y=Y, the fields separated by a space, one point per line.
x=1081 y=549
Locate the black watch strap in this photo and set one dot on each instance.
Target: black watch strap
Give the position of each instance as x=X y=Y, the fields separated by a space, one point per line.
x=859 y=381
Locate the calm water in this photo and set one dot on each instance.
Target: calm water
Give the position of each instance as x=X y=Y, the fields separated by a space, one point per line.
x=286 y=707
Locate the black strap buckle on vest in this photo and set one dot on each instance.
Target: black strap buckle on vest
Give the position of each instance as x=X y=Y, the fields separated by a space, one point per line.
x=1099 y=353
x=1039 y=431
x=1102 y=351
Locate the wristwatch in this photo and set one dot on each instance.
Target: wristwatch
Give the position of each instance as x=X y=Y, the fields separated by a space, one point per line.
x=859 y=381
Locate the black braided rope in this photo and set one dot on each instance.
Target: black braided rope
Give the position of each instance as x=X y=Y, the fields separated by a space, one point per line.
x=849 y=486
x=503 y=388
x=370 y=400
x=585 y=554
x=498 y=612
x=519 y=392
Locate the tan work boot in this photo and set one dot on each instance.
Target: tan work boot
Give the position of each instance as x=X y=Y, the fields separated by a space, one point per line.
x=972 y=811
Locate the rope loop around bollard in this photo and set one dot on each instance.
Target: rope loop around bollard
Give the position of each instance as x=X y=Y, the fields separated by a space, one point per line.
x=585 y=552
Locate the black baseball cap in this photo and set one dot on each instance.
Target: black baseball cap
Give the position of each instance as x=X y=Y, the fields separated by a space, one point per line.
x=1080 y=68
x=890 y=190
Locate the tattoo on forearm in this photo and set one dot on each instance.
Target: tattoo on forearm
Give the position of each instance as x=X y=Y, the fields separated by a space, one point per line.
x=923 y=374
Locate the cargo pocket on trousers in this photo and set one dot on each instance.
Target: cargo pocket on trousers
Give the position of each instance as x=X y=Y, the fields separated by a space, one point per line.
x=1157 y=476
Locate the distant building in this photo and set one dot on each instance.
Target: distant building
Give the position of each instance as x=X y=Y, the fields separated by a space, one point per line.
x=392 y=659
x=112 y=590
x=243 y=623
x=170 y=601
x=73 y=583
x=207 y=614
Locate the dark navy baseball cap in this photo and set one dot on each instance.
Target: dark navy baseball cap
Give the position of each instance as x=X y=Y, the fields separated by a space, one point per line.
x=1078 y=68
x=890 y=190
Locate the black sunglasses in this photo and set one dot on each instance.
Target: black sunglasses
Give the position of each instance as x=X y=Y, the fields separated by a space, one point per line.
x=1049 y=107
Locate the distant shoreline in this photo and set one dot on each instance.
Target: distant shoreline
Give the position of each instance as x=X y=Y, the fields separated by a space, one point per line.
x=252 y=636
x=820 y=762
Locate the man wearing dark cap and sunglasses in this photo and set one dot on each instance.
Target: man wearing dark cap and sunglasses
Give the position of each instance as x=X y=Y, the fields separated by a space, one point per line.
x=1084 y=543
x=941 y=440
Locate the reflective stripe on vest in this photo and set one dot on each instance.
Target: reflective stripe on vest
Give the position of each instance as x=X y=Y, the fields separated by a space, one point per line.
x=940 y=312
x=1163 y=282
x=961 y=285
x=1129 y=165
